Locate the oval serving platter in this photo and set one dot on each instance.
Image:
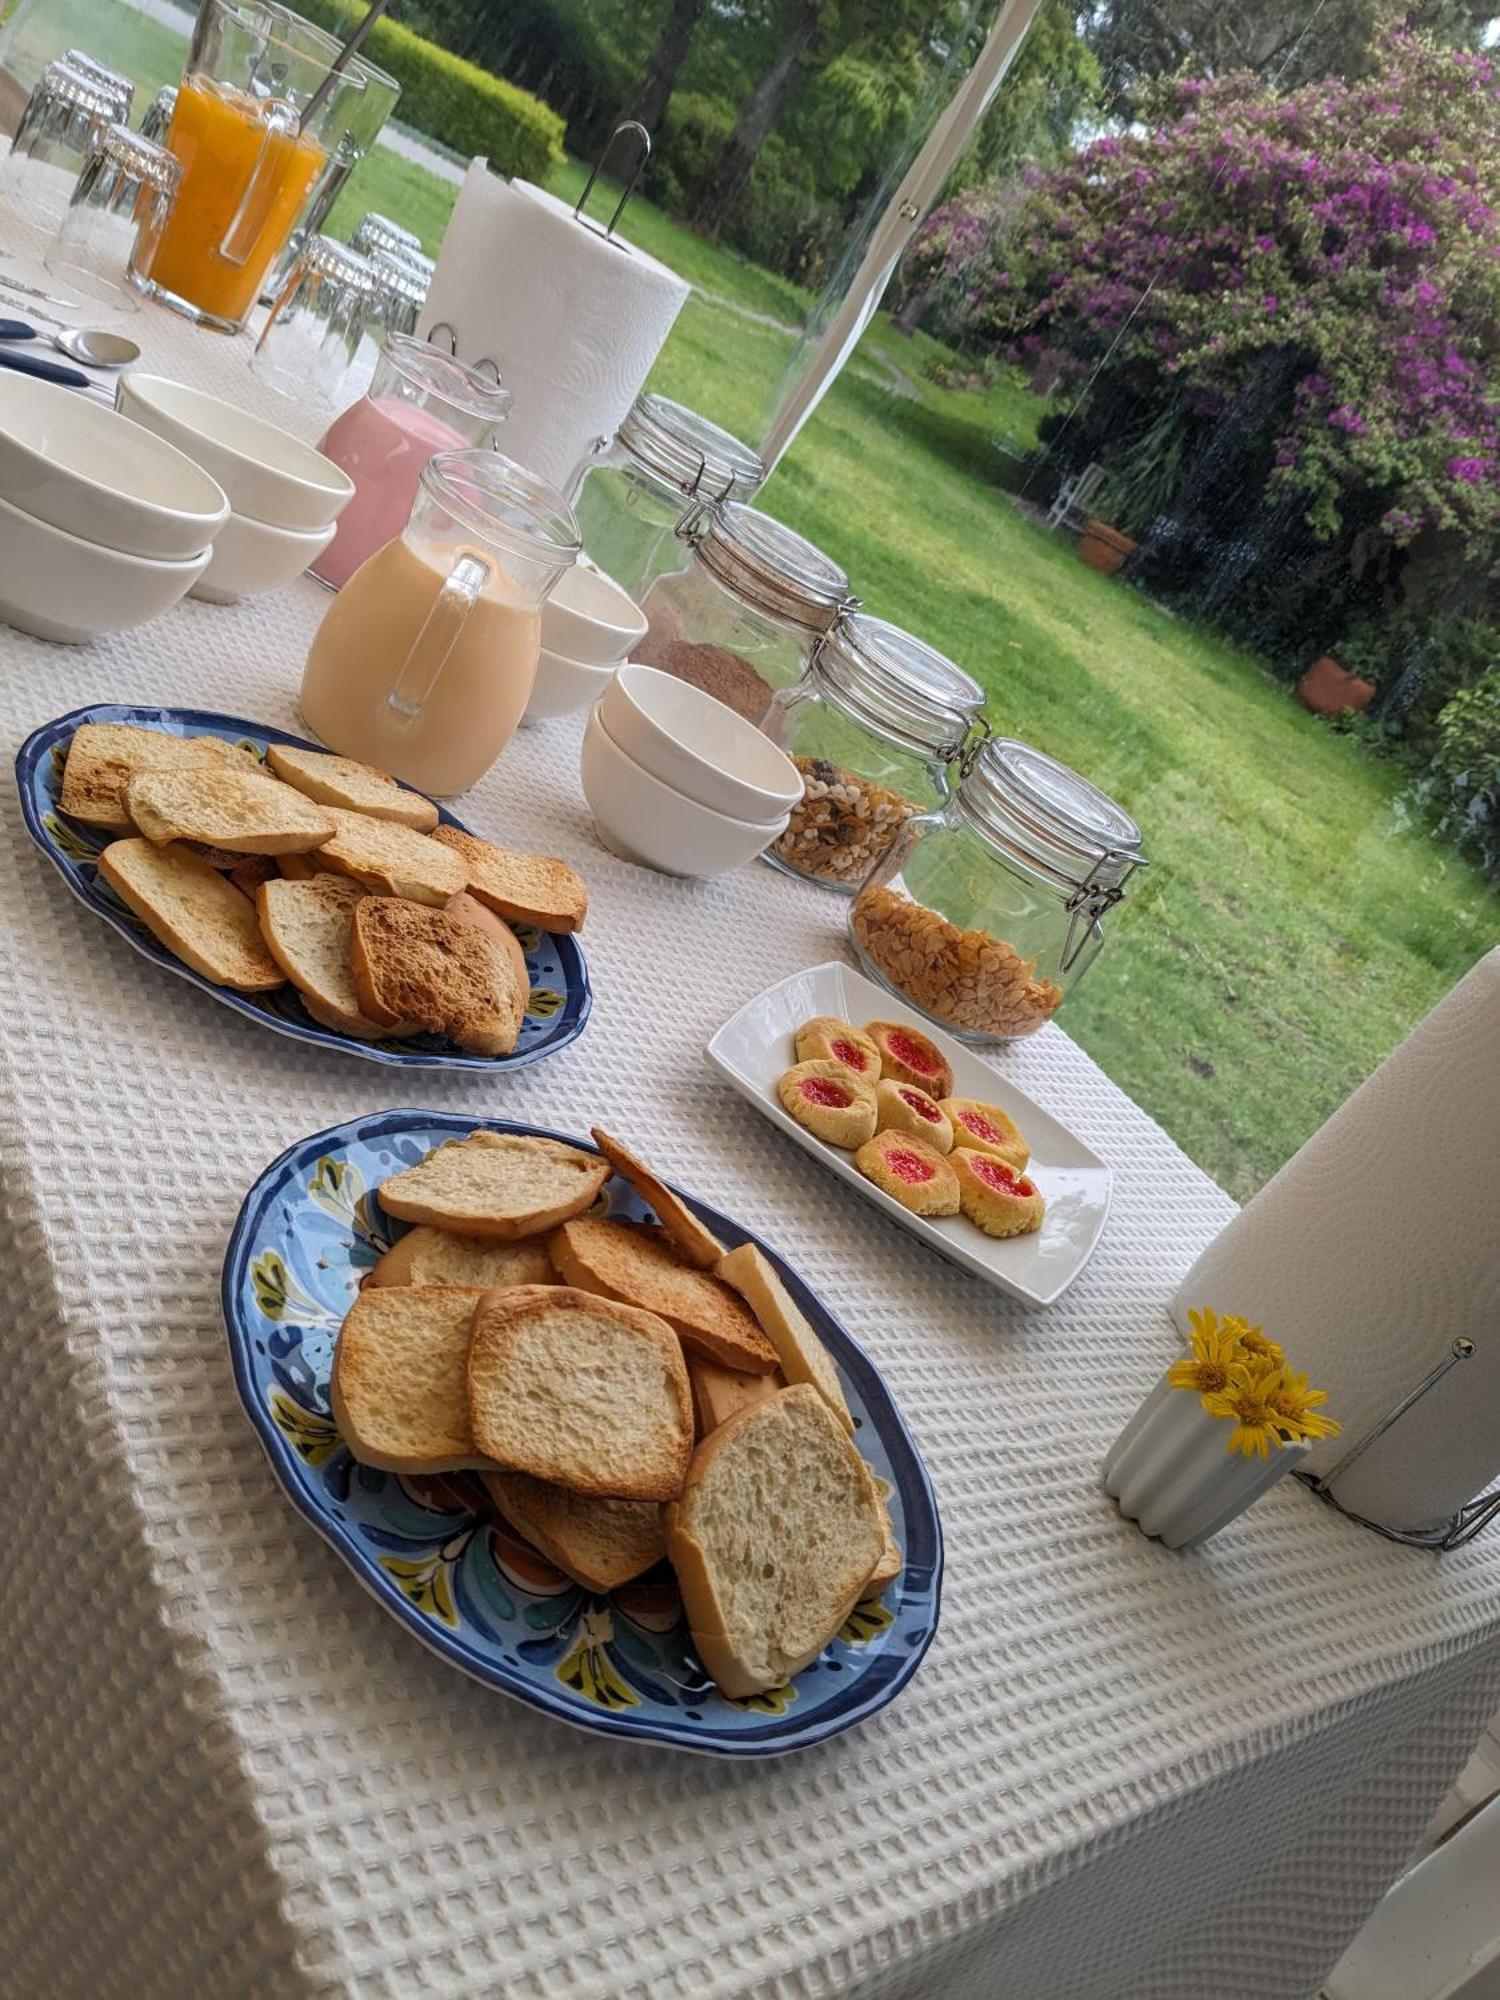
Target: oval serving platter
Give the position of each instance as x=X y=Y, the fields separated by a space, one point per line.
x=436 y=1555
x=561 y=997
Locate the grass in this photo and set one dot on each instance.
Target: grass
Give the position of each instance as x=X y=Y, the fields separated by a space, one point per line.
x=1288 y=931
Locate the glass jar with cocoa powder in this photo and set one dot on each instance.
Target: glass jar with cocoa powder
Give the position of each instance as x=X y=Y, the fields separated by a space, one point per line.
x=743 y=618
x=663 y=463
x=876 y=726
x=984 y=913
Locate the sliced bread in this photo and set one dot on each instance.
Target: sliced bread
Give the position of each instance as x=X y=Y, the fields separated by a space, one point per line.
x=802 y=1355
x=245 y=812
x=630 y=1261
x=426 y=1256
x=699 y=1245
x=250 y=870
x=306 y=926
x=773 y=1540
x=340 y=781
x=581 y=1391
x=194 y=911
x=104 y=756
x=397 y=1390
x=532 y=888
x=414 y=964
x=469 y=910
x=392 y=860
x=599 y=1543
x=891 y=1563
x=721 y=1393
x=496 y=1185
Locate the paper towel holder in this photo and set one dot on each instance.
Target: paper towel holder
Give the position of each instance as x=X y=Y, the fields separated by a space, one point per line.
x=1463 y=1524
x=644 y=138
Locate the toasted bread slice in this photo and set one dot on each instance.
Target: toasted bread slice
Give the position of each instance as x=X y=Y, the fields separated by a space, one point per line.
x=104 y=756
x=340 y=781
x=245 y=812
x=629 y=1261
x=301 y=867
x=599 y=1543
x=392 y=860
x=891 y=1563
x=581 y=1391
x=306 y=926
x=250 y=870
x=802 y=1355
x=773 y=1540
x=426 y=1256
x=414 y=964
x=397 y=1391
x=699 y=1245
x=194 y=911
x=499 y=1185
x=532 y=888
x=469 y=910
x=721 y=1393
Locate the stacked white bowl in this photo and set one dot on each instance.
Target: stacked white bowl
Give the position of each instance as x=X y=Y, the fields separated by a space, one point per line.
x=285 y=497
x=102 y=525
x=589 y=625
x=678 y=780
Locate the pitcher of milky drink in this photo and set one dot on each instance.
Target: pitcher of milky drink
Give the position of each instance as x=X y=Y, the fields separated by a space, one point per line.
x=424 y=661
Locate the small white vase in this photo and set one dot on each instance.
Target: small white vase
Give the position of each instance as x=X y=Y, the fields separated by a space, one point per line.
x=1171 y=1472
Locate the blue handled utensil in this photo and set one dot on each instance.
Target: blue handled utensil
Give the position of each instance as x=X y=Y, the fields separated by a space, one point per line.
x=47 y=371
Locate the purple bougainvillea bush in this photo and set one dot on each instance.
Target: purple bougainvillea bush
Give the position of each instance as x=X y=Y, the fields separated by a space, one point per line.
x=1354 y=227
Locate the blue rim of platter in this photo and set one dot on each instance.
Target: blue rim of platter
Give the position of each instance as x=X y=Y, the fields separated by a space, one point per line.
x=561 y=997
x=461 y=1581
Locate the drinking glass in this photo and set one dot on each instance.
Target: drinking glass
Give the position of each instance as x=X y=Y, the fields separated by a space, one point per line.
x=313 y=330
x=64 y=119
x=127 y=187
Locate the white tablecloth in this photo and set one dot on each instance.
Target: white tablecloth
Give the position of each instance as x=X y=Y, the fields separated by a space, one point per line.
x=1121 y=1774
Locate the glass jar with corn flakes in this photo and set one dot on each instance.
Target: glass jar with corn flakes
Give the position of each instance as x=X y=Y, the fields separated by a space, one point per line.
x=984 y=913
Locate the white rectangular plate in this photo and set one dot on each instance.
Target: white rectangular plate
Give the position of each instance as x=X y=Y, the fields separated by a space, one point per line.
x=754 y=1047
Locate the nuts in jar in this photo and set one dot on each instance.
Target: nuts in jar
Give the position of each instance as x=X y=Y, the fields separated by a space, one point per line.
x=968 y=978
x=843 y=824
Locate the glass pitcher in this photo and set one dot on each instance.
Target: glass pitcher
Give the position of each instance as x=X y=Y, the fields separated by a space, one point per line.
x=248 y=167
x=424 y=662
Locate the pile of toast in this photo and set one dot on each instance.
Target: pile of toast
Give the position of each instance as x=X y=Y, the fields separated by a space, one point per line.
x=626 y=1391
x=320 y=871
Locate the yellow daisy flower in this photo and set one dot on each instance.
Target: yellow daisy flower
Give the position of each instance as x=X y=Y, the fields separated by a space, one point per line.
x=1257 y=1424
x=1216 y=1361
x=1296 y=1406
x=1259 y=1346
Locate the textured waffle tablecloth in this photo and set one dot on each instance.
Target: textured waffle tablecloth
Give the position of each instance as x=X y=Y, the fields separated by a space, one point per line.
x=1121 y=1774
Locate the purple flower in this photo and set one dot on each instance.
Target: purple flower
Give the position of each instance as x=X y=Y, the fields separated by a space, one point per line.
x=1472 y=471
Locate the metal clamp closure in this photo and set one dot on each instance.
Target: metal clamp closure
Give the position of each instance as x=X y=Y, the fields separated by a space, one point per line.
x=628 y=125
x=1087 y=904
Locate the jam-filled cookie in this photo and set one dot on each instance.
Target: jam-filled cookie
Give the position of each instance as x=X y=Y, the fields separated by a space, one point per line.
x=901 y=1107
x=985 y=1128
x=994 y=1195
x=833 y=1040
x=830 y=1100
x=911 y=1171
x=908 y=1056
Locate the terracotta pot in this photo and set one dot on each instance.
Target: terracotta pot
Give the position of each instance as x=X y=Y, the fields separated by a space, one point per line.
x=1104 y=548
x=1329 y=689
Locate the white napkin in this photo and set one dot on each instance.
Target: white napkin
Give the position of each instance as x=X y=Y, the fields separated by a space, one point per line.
x=574 y=323
x=1374 y=1248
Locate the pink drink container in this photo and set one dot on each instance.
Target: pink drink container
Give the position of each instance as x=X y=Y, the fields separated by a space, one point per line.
x=420 y=401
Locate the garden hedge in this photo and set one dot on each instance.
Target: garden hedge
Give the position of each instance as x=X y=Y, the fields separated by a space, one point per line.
x=457 y=102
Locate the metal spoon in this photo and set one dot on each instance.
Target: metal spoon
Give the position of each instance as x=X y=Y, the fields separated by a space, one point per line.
x=93 y=346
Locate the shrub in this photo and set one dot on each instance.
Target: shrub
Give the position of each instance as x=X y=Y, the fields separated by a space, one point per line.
x=687 y=149
x=1460 y=790
x=455 y=101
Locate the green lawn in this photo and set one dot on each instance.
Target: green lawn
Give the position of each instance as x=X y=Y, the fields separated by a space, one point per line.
x=1288 y=931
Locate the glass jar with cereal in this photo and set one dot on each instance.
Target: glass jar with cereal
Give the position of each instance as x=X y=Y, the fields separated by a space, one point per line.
x=875 y=726
x=984 y=913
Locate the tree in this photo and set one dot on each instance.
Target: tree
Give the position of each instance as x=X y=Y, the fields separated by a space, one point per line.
x=673 y=47
x=798 y=31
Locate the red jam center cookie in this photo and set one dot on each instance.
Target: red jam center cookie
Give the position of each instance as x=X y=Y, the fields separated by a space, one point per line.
x=905 y=1050
x=982 y=1127
x=908 y=1166
x=845 y=1051
x=997 y=1175
x=822 y=1090
x=922 y=1105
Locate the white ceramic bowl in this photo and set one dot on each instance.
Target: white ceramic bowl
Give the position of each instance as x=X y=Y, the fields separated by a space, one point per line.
x=268 y=474
x=641 y=819
x=84 y=468
x=590 y=620
x=61 y=587
x=564 y=687
x=699 y=746
x=251 y=557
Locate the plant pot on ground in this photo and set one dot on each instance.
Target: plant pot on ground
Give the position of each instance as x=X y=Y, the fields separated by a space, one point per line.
x=1104 y=548
x=1328 y=688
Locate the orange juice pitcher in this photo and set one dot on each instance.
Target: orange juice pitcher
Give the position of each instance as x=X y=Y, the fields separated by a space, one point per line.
x=248 y=165
x=424 y=662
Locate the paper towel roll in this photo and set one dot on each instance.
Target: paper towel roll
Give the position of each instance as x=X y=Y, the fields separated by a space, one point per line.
x=1374 y=1248
x=573 y=322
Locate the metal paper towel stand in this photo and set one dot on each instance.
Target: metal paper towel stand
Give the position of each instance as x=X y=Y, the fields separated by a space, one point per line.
x=1461 y=1526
